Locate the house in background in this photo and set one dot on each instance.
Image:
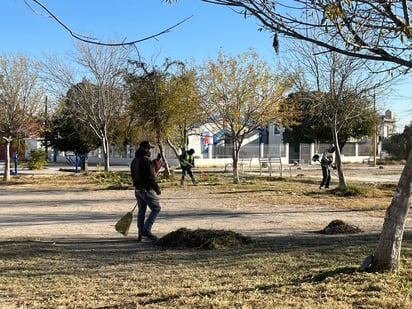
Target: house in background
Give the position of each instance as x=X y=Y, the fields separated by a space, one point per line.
x=213 y=147
x=386 y=126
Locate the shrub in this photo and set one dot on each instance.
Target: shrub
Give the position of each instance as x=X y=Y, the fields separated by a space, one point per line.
x=38 y=159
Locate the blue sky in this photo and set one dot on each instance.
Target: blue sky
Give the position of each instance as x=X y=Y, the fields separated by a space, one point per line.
x=209 y=29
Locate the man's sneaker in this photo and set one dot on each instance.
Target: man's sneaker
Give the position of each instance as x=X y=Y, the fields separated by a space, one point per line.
x=150 y=236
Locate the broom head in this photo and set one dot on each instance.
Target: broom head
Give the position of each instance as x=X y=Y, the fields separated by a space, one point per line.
x=123 y=225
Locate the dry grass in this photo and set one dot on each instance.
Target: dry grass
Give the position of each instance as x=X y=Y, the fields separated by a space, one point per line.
x=53 y=181
x=281 y=272
x=313 y=271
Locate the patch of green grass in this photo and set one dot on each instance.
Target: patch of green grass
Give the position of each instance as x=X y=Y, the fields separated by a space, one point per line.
x=364 y=191
x=210 y=178
x=112 y=179
x=351 y=190
x=387 y=186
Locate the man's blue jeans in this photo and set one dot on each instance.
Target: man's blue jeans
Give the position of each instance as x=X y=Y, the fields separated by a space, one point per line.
x=146 y=199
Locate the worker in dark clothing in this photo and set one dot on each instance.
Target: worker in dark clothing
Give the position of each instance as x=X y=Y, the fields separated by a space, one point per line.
x=187 y=161
x=146 y=190
x=326 y=161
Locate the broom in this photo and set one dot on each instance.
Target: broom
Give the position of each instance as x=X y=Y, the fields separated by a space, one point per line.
x=123 y=225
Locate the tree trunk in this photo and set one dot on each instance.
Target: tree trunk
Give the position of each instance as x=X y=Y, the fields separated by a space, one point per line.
x=235 y=160
x=166 y=166
x=387 y=254
x=338 y=160
x=84 y=166
x=106 y=154
x=6 y=175
x=175 y=150
x=165 y=163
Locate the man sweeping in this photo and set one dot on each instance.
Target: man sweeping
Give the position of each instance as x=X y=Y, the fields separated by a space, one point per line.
x=146 y=190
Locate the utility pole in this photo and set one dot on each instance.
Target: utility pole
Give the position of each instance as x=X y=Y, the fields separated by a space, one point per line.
x=46 y=126
x=375 y=129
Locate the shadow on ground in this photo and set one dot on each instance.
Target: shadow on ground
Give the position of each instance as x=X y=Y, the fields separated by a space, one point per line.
x=22 y=248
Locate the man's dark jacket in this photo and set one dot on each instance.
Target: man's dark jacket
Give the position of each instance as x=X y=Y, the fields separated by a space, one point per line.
x=143 y=172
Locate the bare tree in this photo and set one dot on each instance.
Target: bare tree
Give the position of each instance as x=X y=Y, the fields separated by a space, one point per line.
x=102 y=69
x=356 y=25
x=346 y=85
x=20 y=98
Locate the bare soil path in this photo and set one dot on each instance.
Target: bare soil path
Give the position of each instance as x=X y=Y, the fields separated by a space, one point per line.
x=28 y=213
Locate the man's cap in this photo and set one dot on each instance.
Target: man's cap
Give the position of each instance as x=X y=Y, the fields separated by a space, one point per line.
x=146 y=145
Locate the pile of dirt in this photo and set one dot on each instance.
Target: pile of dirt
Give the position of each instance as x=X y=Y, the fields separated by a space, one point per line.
x=340 y=227
x=204 y=239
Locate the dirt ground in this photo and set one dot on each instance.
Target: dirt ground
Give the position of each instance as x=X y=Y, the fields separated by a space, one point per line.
x=53 y=213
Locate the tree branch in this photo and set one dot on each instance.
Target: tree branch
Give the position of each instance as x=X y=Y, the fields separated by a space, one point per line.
x=95 y=41
x=330 y=17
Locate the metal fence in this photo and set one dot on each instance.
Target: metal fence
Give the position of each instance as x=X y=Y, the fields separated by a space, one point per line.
x=302 y=154
x=246 y=151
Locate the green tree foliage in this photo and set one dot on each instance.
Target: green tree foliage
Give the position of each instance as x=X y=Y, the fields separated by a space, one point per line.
x=306 y=130
x=187 y=110
x=164 y=103
x=241 y=94
x=399 y=145
x=313 y=127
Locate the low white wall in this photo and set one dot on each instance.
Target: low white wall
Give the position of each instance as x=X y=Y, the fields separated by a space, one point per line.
x=172 y=162
x=355 y=159
x=200 y=162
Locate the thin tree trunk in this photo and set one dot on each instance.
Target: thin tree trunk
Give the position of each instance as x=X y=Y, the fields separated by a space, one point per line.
x=176 y=152
x=6 y=175
x=235 y=160
x=387 y=254
x=338 y=160
x=106 y=152
x=84 y=166
x=165 y=163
